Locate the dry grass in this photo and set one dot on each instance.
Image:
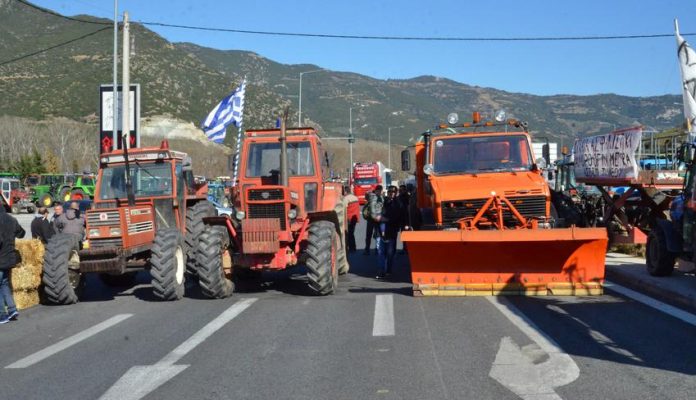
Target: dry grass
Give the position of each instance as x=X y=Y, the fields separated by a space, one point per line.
x=636 y=250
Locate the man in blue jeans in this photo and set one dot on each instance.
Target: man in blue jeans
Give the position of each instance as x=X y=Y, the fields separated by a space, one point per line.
x=9 y=230
x=391 y=223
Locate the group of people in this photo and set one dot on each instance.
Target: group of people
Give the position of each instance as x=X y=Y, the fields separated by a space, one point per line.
x=63 y=221
x=42 y=228
x=386 y=216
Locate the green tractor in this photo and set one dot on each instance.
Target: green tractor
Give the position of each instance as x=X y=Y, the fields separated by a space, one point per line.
x=81 y=188
x=43 y=188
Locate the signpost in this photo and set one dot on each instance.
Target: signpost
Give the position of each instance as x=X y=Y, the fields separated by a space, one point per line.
x=107 y=136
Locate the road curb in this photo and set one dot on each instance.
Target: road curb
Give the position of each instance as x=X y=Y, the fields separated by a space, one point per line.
x=661 y=291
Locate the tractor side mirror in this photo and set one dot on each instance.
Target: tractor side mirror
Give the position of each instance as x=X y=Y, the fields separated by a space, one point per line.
x=685 y=153
x=405 y=160
x=546 y=153
x=186 y=164
x=230 y=162
x=550 y=175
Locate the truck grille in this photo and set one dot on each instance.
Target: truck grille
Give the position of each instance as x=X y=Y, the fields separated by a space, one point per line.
x=103 y=218
x=105 y=243
x=528 y=206
x=272 y=194
x=274 y=210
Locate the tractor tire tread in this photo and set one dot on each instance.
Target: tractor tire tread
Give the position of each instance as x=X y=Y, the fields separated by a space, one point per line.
x=163 y=265
x=319 y=243
x=55 y=278
x=211 y=276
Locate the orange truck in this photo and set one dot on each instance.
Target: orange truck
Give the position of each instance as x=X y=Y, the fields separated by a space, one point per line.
x=287 y=212
x=489 y=226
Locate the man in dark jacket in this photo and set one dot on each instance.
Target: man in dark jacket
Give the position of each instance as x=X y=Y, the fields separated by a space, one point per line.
x=71 y=221
x=41 y=227
x=9 y=230
x=391 y=222
x=374 y=204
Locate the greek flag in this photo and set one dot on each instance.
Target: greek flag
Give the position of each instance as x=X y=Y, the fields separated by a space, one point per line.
x=229 y=111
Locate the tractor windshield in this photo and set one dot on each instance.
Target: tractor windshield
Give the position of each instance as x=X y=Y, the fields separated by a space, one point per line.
x=473 y=155
x=265 y=157
x=32 y=180
x=87 y=181
x=148 y=180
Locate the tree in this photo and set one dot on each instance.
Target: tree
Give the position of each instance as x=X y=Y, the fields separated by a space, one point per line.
x=51 y=162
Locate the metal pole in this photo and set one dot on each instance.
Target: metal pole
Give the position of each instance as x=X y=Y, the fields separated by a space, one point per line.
x=350 y=133
x=125 y=92
x=299 y=111
x=114 y=135
x=389 y=148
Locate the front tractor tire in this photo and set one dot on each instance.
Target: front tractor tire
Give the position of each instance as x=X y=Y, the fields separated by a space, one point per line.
x=62 y=280
x=322 y=251
x=212 y=248
x=194 y=227
x=46 y=200
x=658 y=259
x=168 y=264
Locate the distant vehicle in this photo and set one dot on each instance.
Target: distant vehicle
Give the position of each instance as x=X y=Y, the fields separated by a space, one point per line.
x=366 y=176
x=14 y=198
x=43 y=189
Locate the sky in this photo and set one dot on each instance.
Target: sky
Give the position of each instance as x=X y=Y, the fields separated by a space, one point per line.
x=635 y=67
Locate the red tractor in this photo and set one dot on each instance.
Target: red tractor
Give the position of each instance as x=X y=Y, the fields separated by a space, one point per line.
x=147 y=214
x=14 y=198
x=286 y=213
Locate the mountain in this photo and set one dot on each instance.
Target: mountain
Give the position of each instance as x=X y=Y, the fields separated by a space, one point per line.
x=184 y=81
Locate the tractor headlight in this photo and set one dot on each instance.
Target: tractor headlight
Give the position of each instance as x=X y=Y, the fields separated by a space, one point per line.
x=93 y=232
x=428 y=169
x=292 y=214
x=240 y=215
x=115 y=231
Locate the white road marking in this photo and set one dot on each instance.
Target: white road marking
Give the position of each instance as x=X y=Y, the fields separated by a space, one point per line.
x=656 y=304
x=383 y=323
x=68 y=342
x=518 y=368
x=139 y=381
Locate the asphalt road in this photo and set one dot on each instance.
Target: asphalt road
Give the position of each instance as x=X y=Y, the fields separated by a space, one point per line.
x=370 y=340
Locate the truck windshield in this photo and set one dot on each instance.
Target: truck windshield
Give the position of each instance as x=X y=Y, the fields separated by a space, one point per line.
x=265 y=157
x=481 y=154
x=366 y=181
x=148 y=180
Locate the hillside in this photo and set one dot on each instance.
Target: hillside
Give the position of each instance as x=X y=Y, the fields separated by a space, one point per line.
x=183 y=81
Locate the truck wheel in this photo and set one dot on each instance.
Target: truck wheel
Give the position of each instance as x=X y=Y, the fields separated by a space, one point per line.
x=194 y=228
x=62 y=280
x=31 y=209
x=46 y=200
x=211 y=275
x=167 y=264
x=658 y=260
x=322 y=249
x=125 y=280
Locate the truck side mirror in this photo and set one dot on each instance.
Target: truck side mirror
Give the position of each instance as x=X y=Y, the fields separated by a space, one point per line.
x=405 y=160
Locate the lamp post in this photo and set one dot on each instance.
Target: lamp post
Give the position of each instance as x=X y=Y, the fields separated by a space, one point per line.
x=389 y=145
x=299 y=108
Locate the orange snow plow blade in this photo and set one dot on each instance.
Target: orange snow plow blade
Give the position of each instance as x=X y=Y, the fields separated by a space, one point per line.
x=532 y=262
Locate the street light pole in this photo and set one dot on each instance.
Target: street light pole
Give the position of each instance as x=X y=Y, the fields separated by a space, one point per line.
x=299 y=108
x=389 y=145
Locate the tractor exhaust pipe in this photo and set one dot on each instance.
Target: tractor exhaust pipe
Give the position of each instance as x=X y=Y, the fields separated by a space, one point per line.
x=283 y=150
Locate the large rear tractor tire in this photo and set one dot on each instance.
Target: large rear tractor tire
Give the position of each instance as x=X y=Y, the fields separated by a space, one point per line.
x=658 y=260
x=212 y=246
x=64 y=195
x=194 y=228
x=62 y=280
x=322 y=251
x=167 y=264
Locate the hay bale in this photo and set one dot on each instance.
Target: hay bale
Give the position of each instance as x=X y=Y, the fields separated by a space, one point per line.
x=26 y=276
x=26 y=298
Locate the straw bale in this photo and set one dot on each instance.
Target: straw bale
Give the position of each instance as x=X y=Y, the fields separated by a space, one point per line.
x=27 y=274
x=26 y=298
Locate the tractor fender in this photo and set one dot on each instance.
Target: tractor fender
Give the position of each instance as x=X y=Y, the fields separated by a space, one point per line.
x=674 y=241
x=329 y=215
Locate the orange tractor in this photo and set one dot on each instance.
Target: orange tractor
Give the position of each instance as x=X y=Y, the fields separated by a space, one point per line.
x=286 y=212
x=147 y=213
x=489 y=226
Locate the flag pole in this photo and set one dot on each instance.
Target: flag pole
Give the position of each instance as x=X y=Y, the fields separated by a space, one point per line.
x=239 y=141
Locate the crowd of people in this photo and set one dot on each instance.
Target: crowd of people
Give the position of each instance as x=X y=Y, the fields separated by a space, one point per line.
x=386 y=217
x=42 y=228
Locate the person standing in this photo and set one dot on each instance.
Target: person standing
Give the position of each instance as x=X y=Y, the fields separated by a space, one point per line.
x=57 y=212
x=352 y=215
x=9 y=230
x=71 y=221
x=41 y=227
x=391 y=223
x=375 y=198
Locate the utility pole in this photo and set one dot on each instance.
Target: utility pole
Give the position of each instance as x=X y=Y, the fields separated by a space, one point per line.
x=126 y=80
x=299 y=108
x=114 y=136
